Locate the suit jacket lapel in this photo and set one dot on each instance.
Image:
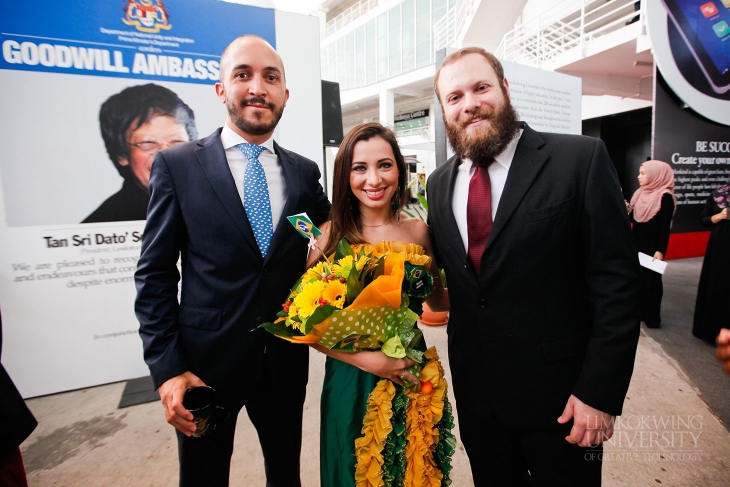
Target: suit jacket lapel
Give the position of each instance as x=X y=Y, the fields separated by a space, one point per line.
x=450 y=225
x=290 y=170
x=213 y=160
x=526 y=164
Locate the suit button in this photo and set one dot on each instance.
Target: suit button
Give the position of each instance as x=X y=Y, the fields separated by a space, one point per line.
x=466 y=266
x=259 y=320
x=482 y=302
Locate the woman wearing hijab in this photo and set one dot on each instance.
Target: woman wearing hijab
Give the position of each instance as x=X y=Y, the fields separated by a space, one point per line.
x=652 y=208
x=711 y=307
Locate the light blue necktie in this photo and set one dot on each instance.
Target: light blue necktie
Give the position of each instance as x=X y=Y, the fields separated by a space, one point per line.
x=256 y=197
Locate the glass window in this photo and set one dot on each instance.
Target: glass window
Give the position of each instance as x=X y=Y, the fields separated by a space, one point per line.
x=423 y=33
x=394 y=42
x=329 y=63
x=341 y=62
x=438 y=7
x=408 y=17
x=382 y=46
x=371 y=53
x=350 y=61
x=360 y=56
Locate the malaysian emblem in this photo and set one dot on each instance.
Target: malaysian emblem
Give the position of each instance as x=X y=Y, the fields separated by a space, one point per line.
x=147 y=15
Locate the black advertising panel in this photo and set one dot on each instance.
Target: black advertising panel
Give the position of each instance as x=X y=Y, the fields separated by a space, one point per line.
x=697 y=149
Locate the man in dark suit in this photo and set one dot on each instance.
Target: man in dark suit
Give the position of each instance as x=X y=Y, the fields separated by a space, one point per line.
x=533 y=234
x=238 y=260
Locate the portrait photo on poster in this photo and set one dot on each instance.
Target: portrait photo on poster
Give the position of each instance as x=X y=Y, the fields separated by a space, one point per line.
x=136 y=123
x=691 y=44
x=89 y=160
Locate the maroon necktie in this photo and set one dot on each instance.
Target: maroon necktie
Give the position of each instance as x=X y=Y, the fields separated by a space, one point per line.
x=479 y=212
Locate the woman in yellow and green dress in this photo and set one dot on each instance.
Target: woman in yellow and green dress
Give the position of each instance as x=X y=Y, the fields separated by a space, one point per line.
x=369 y=189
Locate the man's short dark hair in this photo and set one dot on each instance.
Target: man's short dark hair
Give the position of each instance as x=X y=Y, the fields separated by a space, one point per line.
x=133 y=107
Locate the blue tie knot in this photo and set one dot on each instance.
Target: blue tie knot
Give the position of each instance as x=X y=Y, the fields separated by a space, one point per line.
x=251 y=151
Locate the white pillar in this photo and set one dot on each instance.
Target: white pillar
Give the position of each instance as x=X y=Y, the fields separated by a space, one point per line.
x=387 y=108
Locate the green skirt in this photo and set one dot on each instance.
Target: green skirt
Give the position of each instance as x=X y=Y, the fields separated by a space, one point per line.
x=342 y=408
x=344 y=402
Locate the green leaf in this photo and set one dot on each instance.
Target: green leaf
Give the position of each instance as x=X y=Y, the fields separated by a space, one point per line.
x=319 y=315
x=354 y=285
x=280 y=329
x=296 y=285
x=394 y=348
x=415 y=355
x=343 y=249
x=422 y=199
x=378 y=268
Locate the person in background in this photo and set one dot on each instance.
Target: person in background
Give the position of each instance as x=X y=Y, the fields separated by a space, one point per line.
x=652 y=208
x=220 y=205
x=710 y=307
x=18 y=424
x=135 y=124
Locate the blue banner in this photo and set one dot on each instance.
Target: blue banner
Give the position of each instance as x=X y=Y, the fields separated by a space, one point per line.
x=174 y=40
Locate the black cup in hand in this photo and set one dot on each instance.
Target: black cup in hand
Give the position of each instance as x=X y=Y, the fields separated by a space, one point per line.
x=206 y=415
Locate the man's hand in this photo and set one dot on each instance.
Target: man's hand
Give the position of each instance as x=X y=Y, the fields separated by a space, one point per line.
x=591 y=427
x=172 y=392
x=723 y=349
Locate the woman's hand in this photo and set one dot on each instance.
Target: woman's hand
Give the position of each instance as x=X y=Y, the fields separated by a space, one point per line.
x=718 y=217
x=374 y=362
x=377 y=363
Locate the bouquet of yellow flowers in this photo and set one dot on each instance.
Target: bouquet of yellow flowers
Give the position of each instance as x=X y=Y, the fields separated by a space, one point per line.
x=362 y=297
x=358 y=299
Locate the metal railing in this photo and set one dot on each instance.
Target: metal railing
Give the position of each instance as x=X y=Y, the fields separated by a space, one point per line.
x=565 y=26
x=450 y=29
x=413 y=132
x=352 y=13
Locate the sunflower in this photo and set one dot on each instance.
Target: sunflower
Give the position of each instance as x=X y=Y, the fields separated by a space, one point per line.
x=361 y=261
x=307 y=301
x=334 y=293
x=317 y=273
x=343 y=266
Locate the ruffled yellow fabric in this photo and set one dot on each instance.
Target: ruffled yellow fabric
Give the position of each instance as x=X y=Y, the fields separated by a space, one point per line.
x=424 y=411
x=376 y=428
x=413 y=253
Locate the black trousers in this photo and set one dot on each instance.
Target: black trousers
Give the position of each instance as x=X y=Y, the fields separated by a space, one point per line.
x=651 y=302
x=277 y=417
x=501 y=456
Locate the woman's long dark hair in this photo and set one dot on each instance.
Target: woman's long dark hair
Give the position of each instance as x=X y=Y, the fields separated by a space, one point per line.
x=345 y=213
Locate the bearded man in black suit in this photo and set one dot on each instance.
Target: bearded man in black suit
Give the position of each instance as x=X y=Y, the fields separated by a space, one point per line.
x=532 y=231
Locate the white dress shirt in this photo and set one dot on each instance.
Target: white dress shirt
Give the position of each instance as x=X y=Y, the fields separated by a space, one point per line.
x=497 y=175
x=274 y=175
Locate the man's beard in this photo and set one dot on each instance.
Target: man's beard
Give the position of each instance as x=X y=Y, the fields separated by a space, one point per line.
x=250 y=126
x=485 y=142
